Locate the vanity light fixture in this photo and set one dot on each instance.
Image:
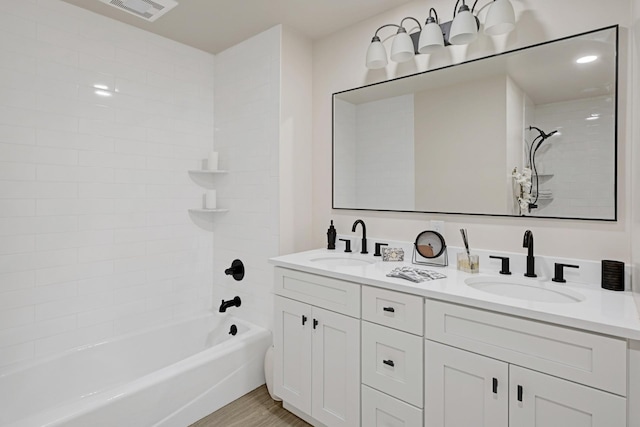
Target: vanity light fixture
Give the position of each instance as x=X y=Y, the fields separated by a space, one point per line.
x=463 y=29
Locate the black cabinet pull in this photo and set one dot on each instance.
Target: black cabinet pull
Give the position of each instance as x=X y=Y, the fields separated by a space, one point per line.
x=315 y=323
x=519 y=393
x=389 y=362
x=495 y=386
x=304 y=319
x=389 y=309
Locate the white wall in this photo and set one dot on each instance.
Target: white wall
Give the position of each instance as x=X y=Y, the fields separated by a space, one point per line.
x=95 y=239
x=296 y=68
x=247 y=123
x=339 y=65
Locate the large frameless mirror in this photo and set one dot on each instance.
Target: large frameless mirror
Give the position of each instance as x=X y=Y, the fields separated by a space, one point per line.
x=530 y=132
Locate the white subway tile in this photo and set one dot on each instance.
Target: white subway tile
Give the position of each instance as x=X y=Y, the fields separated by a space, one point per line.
x=17 y=135
x=77 y=337
x=16 y=353
x=38 y=295
x=17 y=207
x=16 y=317
x=111 y=191
x=26 y=154
x=80 y=239
x=17 y=280
x=17 y=244
x=61 y=207
x=17 y=172
x=69 y=306
x=47 y=276
x=54 y=258
x=34 y=331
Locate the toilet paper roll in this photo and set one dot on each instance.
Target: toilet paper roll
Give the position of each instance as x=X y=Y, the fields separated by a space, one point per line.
x=210 y=199
x=212 y=162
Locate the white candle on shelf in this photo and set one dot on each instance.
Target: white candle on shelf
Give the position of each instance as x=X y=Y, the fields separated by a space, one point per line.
x=210 y=199
x=212 y=163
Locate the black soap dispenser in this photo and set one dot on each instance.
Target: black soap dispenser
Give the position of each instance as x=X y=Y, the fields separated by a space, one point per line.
x=331 y=236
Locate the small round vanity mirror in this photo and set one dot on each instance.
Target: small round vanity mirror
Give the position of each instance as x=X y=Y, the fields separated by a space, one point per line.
x=430 y=244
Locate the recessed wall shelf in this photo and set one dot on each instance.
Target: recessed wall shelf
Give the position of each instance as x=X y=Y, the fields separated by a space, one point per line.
x=208 y=210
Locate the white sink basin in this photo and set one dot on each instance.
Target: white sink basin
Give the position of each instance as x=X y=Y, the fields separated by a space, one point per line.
x=342 y=261
x=530 y=290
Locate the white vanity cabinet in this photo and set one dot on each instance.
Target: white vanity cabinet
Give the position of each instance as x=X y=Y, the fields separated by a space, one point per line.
x=392 y=358
x=317 y=348
x=508 y=371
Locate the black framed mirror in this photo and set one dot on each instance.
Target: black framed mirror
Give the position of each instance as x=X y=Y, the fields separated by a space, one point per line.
x=449 y=140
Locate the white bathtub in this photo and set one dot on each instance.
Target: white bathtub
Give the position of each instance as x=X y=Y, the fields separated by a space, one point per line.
x=167 y=376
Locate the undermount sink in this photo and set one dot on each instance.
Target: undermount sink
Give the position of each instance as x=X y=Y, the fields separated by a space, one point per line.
x=342 y=261
x=530 y=290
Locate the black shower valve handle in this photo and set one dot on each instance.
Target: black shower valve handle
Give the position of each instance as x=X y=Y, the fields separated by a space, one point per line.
x=236 y=270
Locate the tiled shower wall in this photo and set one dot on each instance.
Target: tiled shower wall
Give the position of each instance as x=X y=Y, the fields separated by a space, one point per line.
x=578 y=165
x=95 y=238
x=247 y=123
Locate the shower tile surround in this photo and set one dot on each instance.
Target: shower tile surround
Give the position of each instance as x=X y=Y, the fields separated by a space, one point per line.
x=95 y=238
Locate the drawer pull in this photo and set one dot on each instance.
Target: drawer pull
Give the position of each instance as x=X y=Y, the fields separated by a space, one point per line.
x=304 y=319
x=315 y=323
x=389 y=309
x=519 y=393
x=389 y=362
x=495 y=386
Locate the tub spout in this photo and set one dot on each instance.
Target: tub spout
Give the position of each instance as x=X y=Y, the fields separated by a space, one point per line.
x=235 y=302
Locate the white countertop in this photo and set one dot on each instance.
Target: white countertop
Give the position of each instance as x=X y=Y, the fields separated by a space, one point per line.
x=602 y=311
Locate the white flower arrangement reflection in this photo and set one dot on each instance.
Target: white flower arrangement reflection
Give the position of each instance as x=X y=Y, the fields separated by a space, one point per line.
x=523 y=179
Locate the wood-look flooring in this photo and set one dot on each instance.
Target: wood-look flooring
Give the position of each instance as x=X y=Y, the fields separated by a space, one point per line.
x=254 y=409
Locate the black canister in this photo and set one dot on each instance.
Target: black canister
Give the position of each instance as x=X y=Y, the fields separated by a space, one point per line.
x=613 y=275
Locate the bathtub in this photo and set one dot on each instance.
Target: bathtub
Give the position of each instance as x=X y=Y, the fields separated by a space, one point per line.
x=165 y=376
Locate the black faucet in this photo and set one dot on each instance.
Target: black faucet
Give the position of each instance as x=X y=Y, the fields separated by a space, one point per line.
x=364 y=235
x=235 y=302
x=528 y=243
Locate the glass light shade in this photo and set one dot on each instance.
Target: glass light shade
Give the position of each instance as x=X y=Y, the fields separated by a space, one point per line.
x=402 y=48
x=376 y=55
x=464 y=28
x=431 y=38
x=501 y=18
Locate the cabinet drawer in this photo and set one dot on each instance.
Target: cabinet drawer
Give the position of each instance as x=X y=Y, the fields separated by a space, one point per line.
x=382 y=410
x=587 y=358
x=332 y=294
x=393 y=309
x=392 y=362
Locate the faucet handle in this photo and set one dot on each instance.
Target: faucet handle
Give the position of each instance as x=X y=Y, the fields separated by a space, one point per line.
x=347 y=243
x=559 y=271
x=505 y=263
x=378 y=247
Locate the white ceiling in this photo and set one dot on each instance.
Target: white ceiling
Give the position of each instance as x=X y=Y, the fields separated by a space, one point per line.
x=214 y=25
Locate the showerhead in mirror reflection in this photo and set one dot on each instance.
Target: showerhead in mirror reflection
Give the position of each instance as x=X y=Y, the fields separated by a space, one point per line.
x=448 y=140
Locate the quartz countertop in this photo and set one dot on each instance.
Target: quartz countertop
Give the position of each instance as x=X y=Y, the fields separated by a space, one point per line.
x=601 y=311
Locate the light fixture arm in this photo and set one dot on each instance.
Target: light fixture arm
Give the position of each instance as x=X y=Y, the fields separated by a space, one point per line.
x=411 y=17
x=431 y=19
x=375 y=35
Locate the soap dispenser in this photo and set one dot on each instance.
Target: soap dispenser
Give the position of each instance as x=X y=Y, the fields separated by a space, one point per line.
x=331 y=236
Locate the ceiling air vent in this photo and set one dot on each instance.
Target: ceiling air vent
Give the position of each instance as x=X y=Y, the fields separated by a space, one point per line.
x=146 y=9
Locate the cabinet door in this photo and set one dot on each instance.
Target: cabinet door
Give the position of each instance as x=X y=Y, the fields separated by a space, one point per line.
x=336 y=369
x=292 y=353
x=544 y=401
x=463 y=389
